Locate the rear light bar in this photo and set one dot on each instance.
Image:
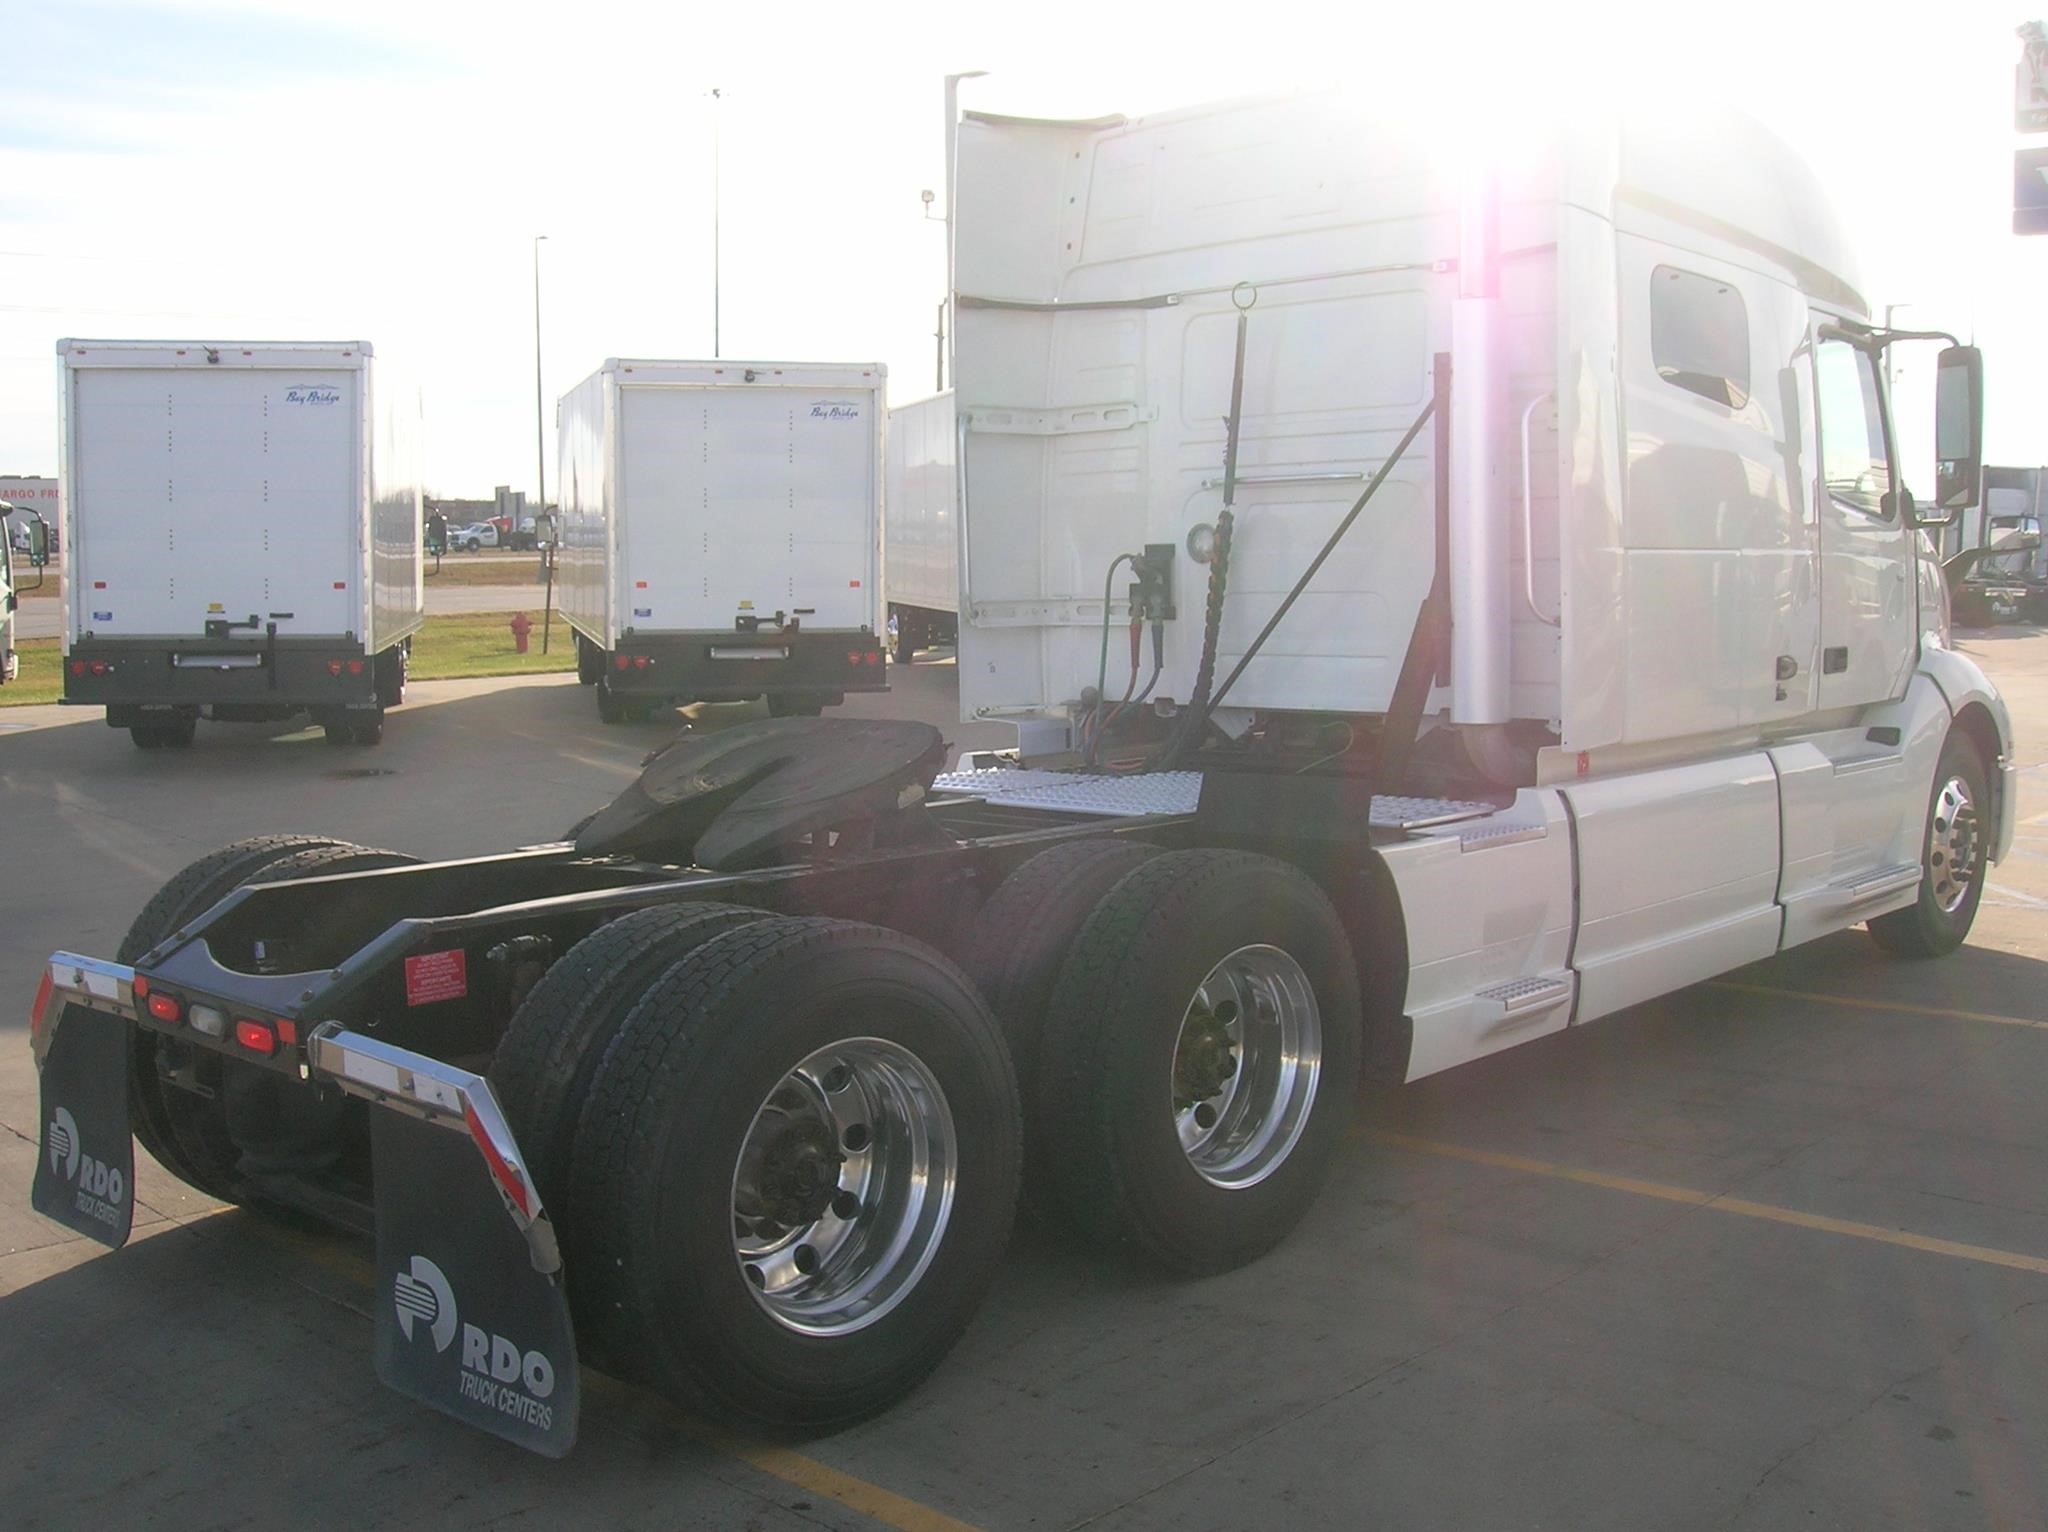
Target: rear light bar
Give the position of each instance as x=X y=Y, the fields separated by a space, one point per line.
x=92 y=667
x=165 y=1008
x=256 y=1036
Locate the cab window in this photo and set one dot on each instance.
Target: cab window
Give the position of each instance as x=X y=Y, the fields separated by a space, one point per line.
x=1854 y=463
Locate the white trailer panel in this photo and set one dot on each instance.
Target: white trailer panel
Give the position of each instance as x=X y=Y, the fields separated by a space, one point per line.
x=920 y=515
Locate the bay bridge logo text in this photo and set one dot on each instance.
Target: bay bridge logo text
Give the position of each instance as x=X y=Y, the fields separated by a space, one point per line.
x=824 y=410
x=313 y=395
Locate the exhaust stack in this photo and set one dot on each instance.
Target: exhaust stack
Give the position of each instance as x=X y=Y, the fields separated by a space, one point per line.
x=1479 y=530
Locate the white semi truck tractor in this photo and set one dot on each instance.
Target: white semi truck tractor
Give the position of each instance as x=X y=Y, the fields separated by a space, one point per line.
x=242 y=535
x=1438 y=610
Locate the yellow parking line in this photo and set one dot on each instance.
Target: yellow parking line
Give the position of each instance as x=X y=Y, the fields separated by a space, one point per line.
x=1720 y=1204
x=813 y=1477
x=1880 y=1005
x=793 y=1468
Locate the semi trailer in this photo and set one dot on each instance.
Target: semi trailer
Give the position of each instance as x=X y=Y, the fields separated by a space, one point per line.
x=720 y=533
x=241 y=535
x=1524 y=614
x=921 y=541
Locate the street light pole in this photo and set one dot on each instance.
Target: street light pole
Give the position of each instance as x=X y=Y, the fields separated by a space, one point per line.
x=716 y=97
x=540 y=461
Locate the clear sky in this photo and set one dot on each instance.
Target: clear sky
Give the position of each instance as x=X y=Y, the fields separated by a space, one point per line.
x=260 y=170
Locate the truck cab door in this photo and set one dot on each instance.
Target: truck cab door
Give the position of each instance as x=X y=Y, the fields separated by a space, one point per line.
x=1868 y=617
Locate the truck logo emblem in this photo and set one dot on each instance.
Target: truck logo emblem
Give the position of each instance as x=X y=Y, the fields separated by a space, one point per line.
x=312 y=395
x=63 y=1141
x=826 y=410
x=423 y=1294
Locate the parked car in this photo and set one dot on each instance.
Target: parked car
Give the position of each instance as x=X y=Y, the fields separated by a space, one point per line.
x=475 y=537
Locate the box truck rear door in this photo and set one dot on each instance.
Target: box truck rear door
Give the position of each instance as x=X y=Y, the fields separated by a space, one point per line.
x=222 y=492
x=746 y=499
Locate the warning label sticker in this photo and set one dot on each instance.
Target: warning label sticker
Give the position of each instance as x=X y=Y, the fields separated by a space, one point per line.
x=436 y=976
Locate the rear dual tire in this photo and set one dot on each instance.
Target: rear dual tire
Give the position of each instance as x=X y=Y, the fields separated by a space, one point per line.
x=795 y=1172
x=1195 y=1033
x=188 y=1134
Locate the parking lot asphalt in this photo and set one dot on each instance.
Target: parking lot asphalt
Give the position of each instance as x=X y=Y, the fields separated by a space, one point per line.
x=1771 y=1252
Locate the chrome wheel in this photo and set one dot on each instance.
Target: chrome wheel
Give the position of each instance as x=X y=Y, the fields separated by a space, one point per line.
x=1246 y=1066
x=844 y=1186
x=1954 y=845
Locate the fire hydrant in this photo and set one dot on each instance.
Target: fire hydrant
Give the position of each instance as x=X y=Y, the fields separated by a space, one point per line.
x=521 y=626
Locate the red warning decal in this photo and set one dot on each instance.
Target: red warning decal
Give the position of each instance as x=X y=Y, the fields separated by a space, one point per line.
x=436 y=976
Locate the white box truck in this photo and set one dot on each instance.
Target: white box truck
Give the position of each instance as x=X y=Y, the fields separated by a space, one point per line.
x=921 y=528
x=720 y=533
x=242 y=535
x=1487 y=726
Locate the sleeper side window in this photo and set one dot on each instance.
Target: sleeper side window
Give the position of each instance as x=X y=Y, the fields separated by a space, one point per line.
x=1699 y=335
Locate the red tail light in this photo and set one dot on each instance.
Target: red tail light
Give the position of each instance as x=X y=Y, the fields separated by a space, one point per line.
x=78 y=667
x=874 y=656
x=99 y=667
x=140 y=986
x=334 y=667
x=256 y=1036
x=41 y=1006
x=355 y=667
x=641 y=662
x=621 y=662
x=853 y=656
x=288 y=1033
x=165 y=1008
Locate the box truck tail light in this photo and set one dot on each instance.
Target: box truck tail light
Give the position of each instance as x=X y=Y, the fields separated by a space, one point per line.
x=622 y=662
x=256 y=1036
x=641 y=662
x=165 y=1008
x=100 y=667
x=853 y=656
x=78 y=667
x=874 y=656
x=355 y=667
x=334 y=667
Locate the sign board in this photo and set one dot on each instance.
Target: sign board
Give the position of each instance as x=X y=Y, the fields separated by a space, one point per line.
x=36 y=494
x=2030 y=191
x=2030 y=81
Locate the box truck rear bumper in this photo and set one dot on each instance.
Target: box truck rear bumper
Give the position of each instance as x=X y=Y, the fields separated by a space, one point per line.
x=145 y=675
x=736 y=667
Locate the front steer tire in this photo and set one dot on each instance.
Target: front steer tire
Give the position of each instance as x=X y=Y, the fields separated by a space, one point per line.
x=1140 y=1013
x=698 y=1128
x=1956 y=839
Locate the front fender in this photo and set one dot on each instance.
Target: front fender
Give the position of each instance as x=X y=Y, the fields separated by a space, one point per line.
x=1974 y=701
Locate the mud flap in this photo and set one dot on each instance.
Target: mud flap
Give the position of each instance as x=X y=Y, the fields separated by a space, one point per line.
x=464 y=1323
x=85 y=1162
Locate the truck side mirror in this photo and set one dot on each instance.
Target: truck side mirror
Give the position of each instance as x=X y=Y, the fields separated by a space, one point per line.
x=38 y=543
x=1958 y=430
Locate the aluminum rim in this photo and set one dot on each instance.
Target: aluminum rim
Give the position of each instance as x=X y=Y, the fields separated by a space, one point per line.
x=844 y=1186
x=1954 y=844
x=1246 y=1065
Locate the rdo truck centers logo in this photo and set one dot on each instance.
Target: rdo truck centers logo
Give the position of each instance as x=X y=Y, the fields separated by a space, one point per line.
x=495 y=1373
x=101 y=1189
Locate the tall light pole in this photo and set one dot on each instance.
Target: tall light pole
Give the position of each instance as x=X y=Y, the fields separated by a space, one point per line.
x=716 y=96
x=540 y=477
x=540 y=460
